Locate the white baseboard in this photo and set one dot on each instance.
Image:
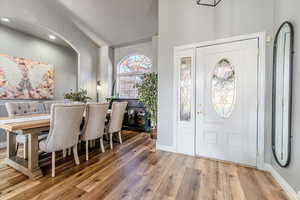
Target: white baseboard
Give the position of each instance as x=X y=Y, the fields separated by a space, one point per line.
x=2 y=145
x=165 y=148
x=283 y=183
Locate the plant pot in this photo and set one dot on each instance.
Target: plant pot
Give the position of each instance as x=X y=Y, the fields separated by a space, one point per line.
x=153 y=133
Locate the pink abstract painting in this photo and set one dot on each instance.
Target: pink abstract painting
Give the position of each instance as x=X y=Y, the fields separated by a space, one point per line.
x=22 y=78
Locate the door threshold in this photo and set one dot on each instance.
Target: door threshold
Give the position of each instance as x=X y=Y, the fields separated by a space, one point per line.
x=227 y=162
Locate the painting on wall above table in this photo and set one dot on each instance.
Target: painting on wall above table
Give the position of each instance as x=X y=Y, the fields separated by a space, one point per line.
x=22 y=78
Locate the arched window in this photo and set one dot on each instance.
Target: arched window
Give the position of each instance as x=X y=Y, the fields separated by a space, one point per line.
x=130 y=72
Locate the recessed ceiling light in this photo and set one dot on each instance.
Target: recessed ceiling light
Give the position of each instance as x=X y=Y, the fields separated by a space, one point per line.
x=4 y=19
x=52 y=37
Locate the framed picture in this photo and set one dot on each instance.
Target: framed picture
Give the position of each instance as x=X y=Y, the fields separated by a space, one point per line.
x=22 y=78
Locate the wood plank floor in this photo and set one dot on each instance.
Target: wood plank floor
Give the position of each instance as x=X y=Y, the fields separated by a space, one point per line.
x=133 y=171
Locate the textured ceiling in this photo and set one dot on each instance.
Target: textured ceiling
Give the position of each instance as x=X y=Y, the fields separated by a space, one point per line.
x=116 y=21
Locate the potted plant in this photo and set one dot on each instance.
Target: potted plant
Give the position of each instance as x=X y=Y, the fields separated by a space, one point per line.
x=147 y=94
x=80 y=96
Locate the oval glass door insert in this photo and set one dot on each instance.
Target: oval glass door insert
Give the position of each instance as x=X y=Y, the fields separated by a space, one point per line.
x=224 y=88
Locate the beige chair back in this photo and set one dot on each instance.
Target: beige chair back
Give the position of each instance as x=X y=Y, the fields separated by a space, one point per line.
x=64 y=126
x=117 y=116
x=23 y=108
x=48 y=104
x=94 y=121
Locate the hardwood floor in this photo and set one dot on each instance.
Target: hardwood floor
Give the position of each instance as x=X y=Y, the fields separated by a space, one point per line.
x=133 y=171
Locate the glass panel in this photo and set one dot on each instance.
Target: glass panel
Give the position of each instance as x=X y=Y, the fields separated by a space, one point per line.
x=185 y=88
x=135 y=64
x=224 y=88
x=128 y=86
x=130 y=71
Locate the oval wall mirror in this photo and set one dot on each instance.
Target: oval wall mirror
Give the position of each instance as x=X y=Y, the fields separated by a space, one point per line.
x=282 y=94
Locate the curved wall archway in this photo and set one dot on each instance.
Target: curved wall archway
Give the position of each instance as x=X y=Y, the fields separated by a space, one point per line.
x=31 y=42
x=48 y=16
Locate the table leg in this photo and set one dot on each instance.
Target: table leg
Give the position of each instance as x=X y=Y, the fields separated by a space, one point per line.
x=26 y=149
x=30 y=167
x=33 y=156
x=11 y=144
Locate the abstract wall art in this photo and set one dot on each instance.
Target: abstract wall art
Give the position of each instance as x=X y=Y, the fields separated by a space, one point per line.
x=22 y=78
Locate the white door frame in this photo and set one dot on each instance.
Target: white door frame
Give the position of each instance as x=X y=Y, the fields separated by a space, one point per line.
x=261 y=36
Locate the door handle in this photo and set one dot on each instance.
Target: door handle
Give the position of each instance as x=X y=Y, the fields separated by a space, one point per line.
x=200 y=110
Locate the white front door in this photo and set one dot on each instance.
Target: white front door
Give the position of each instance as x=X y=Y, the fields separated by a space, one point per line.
x=226 y=101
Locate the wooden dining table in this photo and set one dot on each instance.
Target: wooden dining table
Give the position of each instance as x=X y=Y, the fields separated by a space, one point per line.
x=29 y=164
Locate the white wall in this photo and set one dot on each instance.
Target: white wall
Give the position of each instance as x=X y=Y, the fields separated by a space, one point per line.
x=180 y=22
x=288 y=10
x=48 y=15
x=154 y=53
x=183 y=22
x=105 y=72
x=64 y=59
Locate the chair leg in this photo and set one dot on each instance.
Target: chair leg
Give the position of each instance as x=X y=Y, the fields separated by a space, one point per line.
x=17 y=147
x=87 y=150
x=76 y=155
x=69 y=151
x=64 y=153
x=91 y=144
x=120 y=137
x=111 y=140
x=102 y=146
x=53 y=164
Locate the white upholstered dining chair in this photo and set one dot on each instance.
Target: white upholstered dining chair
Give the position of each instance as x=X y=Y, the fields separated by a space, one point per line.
x=64 y=130
x=93 y=129
x=116 y=120
x=48 y=104
x=17 y=109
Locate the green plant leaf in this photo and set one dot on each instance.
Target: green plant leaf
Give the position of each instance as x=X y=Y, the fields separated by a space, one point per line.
x=147 y=94
x=80 y=96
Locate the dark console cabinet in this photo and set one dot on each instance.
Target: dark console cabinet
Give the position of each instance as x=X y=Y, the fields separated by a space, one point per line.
x=136 y=116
